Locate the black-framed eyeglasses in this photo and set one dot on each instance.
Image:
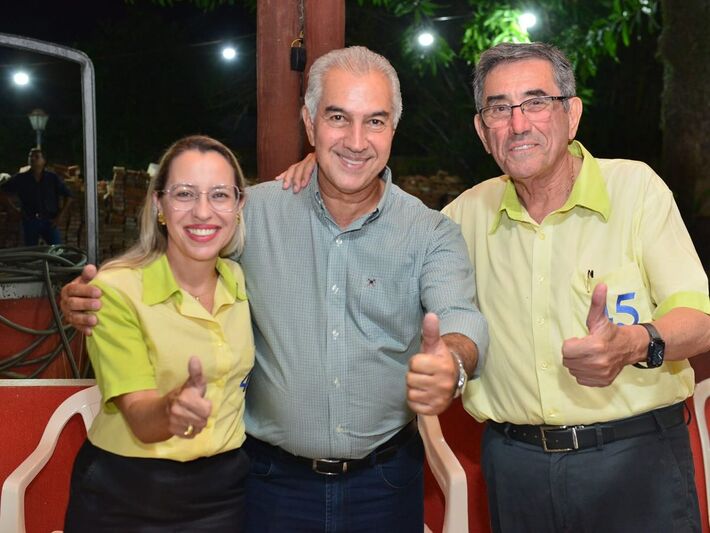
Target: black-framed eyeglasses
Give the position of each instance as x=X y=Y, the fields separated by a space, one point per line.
x=184 y=196
x=537 y=108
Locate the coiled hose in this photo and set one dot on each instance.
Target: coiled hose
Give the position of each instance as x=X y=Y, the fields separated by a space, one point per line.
x=53 y=266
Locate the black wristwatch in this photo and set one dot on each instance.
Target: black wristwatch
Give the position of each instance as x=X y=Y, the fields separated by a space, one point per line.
x=656 y=348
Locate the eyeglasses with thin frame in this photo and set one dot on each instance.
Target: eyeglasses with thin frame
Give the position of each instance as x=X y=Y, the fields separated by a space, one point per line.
x=537 y=108
x=184 y=196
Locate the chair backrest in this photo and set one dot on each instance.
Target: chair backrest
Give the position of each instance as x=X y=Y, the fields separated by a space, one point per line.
x=87 y=403
x=448 y=473
x=702 y=392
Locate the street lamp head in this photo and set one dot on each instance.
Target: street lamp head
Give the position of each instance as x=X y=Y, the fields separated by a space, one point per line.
x=38 y=119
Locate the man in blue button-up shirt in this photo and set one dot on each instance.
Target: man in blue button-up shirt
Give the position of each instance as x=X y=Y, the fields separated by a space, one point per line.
x=339 y=278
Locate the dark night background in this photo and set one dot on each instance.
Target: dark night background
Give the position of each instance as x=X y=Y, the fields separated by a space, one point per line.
x=159 y=76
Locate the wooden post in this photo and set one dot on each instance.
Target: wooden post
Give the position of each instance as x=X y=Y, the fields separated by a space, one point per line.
x=325 y=27
x=278 y=131
x=280 y=137
x=325 y=31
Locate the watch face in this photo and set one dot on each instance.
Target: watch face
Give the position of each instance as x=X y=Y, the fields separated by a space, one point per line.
x=656 y=351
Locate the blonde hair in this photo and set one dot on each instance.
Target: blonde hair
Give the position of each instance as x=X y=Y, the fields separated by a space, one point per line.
x=153 y=237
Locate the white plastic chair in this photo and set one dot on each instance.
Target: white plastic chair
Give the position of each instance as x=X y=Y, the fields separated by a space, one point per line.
x=87 y=403
x=702 y=392
x=448 y=473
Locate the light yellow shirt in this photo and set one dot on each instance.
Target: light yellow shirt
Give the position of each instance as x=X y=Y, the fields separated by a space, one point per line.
x=534 y=286
x=148 y=329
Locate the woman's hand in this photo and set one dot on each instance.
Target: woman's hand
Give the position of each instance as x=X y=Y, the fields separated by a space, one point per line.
x=187 y=409
x=182 y=412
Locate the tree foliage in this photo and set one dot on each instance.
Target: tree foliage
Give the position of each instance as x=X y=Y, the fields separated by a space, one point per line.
x=586 y=31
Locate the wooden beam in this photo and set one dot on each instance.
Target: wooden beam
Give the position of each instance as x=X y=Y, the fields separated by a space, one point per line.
x=325 y=31
x=280 y=137
x=278 y=132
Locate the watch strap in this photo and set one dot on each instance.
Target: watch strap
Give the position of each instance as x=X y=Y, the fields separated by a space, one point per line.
x=463 y=377
x=652 y=331
x=655 y=337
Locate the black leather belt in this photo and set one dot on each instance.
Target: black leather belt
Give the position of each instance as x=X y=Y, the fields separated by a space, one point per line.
x=571 y=438
x=333 y=467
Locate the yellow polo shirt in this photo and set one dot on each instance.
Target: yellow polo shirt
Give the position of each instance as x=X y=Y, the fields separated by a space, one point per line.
x=148 y=329
x=619 y=226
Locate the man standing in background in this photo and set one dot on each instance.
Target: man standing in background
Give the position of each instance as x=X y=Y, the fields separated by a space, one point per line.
x=40 y=193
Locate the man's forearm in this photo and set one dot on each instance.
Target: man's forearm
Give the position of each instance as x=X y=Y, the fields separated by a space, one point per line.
x=686 y=333
x=465 y=348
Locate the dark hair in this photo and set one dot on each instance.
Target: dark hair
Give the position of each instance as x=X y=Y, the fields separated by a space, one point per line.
x=36 y=150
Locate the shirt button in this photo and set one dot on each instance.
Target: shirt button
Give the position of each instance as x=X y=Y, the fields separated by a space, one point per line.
x=340 y=428
x=552 y=414
x=540 y=321
x=540 y=279
x=335 y=333
x=544 y=365
x=336 y=382
x=338 y=241
x=335 y=289
x=541 y=235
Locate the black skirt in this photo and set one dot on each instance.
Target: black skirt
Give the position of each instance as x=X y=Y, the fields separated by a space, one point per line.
x=112 y=493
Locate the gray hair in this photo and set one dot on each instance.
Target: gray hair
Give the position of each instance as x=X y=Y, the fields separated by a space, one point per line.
x=511 y=52
x=357 y=60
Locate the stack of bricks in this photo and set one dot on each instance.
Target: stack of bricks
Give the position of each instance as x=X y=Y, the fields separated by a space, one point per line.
x=119 y=220
x=121 y=200
x=10 y=224
x=435 y=191
x=119 y=205
x=72 y=227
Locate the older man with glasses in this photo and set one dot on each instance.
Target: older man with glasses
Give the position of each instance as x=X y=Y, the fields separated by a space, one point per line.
x=595 y=300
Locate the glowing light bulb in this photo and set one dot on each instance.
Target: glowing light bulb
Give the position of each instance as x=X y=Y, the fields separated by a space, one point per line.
x=425 y=39
x=527 y=20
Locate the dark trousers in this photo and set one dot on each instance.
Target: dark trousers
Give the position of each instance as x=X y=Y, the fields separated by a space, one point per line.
x=112 y=493
x=643 y=484
x=34 y=228
x=283 y=495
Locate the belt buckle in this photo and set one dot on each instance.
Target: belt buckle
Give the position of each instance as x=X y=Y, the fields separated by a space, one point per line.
x=543 y=435
x=317 y=462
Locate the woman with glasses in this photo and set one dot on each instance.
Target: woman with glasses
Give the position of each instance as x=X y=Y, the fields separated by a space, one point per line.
x=164 y=452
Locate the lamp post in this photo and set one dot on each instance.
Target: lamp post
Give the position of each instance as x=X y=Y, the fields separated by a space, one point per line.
x=38 y=119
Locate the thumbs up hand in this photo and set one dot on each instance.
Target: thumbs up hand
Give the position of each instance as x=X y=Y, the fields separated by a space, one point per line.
x=188 y=410
x=596 y=360
x=433 y=373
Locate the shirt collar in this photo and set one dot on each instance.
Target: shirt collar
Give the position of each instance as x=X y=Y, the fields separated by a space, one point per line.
x=314 y=191
x=159 y=283
x=589 y=191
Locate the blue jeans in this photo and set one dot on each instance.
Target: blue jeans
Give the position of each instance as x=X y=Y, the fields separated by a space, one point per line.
x=34 y=228
x=284 y=495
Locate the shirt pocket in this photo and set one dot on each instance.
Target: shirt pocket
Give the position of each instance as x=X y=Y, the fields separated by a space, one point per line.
x=628 y=301
x=390 y=311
